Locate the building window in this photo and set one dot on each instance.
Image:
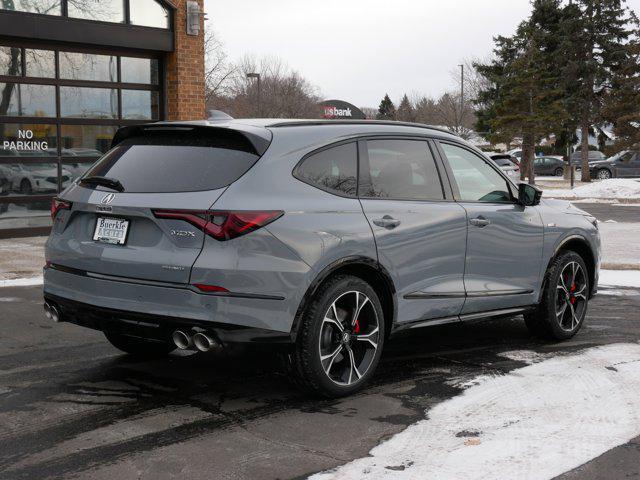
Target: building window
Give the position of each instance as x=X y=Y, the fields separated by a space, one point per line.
x=88 y=66
x=40 y=63
x=25 y=100
x=11 y=61
x=82 y=102
x=103 y=10
x=139 y=70
x=148 y=13
x=139 y=105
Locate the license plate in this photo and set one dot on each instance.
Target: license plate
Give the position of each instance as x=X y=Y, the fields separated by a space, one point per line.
x=111 y=230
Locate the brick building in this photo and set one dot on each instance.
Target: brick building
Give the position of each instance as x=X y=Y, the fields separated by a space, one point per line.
x=71 y=73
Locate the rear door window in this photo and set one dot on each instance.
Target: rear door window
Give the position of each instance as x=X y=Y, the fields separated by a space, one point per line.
x=402 y=170
x=165 y=162
x=334 y=169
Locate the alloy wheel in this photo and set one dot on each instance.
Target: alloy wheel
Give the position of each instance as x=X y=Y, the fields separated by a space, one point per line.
x=571 y=296
x=604 y=174
x=349 y=337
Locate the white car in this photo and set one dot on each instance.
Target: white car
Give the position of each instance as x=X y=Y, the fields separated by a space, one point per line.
x=30 y=178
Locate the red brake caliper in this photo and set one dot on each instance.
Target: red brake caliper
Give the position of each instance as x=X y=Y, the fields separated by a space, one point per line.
x=356 y=328
x=573 y=299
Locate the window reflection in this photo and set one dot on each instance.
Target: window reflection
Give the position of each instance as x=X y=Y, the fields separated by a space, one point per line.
x=25 y=215
x=139 y=70
x=103 y=10
x=86 y=140
x=10 y=61
x=40 y=63
x=140 y=105
x=27 y=140
x=86 y=66
x=149 y=13
x=84 y=102
x=45 y=7
x=28 y=100
x=32 y=178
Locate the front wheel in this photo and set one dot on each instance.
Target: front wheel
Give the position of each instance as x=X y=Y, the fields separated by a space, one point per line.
x=565 y=298
x=139 y=346
x=559 y=172
x=340 y=338
x=603 y=174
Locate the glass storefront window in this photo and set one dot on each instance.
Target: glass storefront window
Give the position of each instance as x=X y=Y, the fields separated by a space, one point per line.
x=40 y=63
x=10 y=61
x=28 y=100
x=149 y=13
x=32 y=178
x=86 y=66
x=140 y=105
x=103 y=10
x=139 y=70
x=19 y=140
x=25 y=215
x=45 y=7
x=81 y=102
x=86 y=140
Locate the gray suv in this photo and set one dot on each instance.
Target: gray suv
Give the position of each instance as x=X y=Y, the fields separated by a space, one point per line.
x=324 y=238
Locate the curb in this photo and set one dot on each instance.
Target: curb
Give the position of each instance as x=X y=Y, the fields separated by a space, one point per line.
x=631 y=201
x=620 y=266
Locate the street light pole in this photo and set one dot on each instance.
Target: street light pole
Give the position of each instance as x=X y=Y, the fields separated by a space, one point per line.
x=257 y=77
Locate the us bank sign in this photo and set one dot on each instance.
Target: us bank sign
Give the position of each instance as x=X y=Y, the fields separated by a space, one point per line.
x=25 y=142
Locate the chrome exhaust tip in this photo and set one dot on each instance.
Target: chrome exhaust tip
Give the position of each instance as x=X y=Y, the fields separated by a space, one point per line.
x=55 y=315
x=47 y=311
x=182 y=340
x=204 y=342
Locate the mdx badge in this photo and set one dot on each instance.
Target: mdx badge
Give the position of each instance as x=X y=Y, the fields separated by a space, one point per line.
x=183 y=233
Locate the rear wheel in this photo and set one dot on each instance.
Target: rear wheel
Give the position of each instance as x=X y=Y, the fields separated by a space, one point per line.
x=559 y=172
x=565 y=298
x=139 y=346
x=340 y=339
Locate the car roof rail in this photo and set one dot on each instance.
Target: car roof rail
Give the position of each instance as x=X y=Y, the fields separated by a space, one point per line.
x=303 y=123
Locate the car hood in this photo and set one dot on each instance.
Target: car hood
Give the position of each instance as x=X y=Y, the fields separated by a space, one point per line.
x=599 y=162
x=564 y=206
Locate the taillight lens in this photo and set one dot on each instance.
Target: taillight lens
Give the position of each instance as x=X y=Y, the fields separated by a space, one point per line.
x=57 y=205
x=223 y=225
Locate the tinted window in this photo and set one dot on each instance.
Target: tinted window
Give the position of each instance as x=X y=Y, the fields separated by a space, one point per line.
x=176 y=162
x=477 y=181
x=403 y=169
x=333 y=169
x=503 y=162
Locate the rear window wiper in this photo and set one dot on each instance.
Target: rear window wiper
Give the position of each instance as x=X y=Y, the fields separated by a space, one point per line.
x=112 y=183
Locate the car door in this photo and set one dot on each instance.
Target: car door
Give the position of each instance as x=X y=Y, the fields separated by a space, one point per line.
x=626 y=165
x=420 y=232
x=504 y=239
x=635 y=164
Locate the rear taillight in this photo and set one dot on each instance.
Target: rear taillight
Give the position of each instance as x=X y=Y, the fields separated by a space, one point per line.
x=223 y=225
x=57 y=205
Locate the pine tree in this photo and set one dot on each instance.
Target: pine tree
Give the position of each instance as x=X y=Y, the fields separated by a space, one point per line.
x=386 y=110
x=525 y=97
x=595 y=50
x=405 y=111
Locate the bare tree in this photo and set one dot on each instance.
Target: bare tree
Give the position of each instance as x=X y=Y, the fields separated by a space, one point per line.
x=219 y=71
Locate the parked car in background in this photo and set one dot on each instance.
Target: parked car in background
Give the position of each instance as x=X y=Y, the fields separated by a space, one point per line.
x=594 y=156
x=624 y=164
x=516 y=153
x=548 y=166
x=506 y=163
x=324 y=238
x=30 y=178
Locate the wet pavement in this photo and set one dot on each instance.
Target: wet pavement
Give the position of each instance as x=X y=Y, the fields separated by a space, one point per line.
x=71 y=406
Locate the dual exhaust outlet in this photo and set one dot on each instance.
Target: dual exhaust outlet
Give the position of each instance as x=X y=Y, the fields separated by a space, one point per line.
x=51 y=312
x=185 y=340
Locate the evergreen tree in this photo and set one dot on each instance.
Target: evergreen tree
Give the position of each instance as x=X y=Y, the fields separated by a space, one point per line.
x=595 y=48
x=386 y=110
x=525 y=97
x=405 y=111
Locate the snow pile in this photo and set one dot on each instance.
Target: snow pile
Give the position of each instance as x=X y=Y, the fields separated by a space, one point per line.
x=612 y=188
x=536 y=422
x=619 y=278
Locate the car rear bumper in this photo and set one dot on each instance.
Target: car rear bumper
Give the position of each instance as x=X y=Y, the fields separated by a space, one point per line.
x=109 y=304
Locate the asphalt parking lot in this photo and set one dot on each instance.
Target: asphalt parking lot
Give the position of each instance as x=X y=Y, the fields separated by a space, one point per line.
x=73 y=407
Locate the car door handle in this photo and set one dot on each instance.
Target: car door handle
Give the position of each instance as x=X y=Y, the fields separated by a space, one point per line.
x=387 y=222
x=479 y=222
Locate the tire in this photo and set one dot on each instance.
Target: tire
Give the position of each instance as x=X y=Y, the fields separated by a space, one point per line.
x=559 y=172
x=603 y=174
x=324 y=357
x=25 y=187
x=561 y=294
x=139 y=346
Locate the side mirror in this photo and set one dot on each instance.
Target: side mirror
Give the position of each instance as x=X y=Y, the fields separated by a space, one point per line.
x=528 y=195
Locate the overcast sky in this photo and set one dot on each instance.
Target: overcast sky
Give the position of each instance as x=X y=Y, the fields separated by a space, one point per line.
x=358 y=50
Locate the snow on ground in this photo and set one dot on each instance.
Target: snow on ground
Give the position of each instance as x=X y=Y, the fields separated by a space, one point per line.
x=604 y=189
x=620 y=245
x=21 y=282
x=533 y=423
x=619 y=278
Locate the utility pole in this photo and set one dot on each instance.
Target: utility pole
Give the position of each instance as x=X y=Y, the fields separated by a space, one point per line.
x=257 y=77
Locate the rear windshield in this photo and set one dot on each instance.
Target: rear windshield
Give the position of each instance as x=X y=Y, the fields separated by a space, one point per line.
x=176 y=162
x=503 y=162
